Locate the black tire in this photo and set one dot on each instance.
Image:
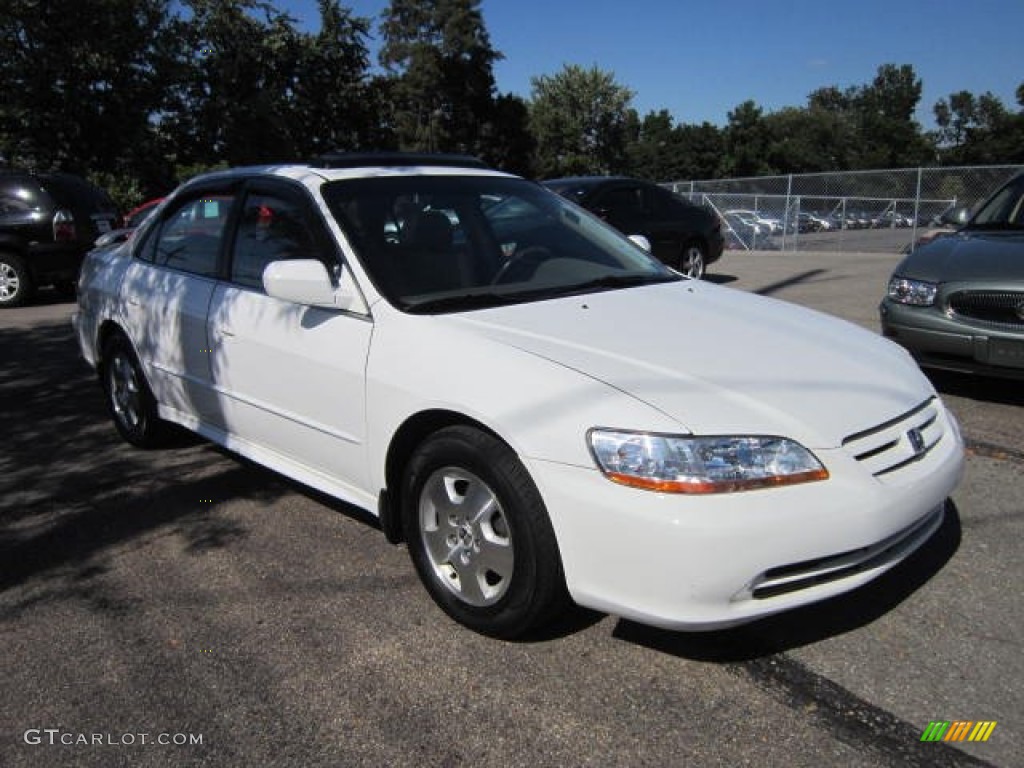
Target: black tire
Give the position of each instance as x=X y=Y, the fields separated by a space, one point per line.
x=16 y=286
x=495 y=566
x=693 y=260
x=129 y=398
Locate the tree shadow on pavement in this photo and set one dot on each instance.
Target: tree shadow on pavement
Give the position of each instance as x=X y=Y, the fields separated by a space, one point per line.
x=71 y=490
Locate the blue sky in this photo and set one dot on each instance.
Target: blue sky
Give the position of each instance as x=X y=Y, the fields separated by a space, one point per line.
x=699 y=60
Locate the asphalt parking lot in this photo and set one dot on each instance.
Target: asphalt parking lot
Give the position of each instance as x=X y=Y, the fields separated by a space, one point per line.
x=188 y=597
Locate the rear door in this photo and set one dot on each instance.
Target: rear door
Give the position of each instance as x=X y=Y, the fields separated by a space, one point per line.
x=166 y=296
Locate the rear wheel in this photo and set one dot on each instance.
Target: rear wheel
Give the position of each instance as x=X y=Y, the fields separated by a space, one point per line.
x=129 y=399
x=692 y=260
x=479 y=534
x=16 y=286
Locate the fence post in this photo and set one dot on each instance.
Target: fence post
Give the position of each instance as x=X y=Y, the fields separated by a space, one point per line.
x=785 y=215
x=917 y=208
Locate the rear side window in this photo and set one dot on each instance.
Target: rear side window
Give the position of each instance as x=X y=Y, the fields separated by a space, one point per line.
x=621 y=200
x=189 y=238
x=665 y=204
x=19 y=196
x=74 y=192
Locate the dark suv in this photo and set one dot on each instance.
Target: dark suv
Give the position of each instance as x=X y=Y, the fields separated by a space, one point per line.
x=684 y=236
x=48 y=221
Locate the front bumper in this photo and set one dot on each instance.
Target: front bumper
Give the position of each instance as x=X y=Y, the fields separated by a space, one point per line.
x=937 y=340
x=699 y=563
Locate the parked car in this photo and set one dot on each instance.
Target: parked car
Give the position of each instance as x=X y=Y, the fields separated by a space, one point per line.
x=741 y=233
x=538 y=407
x=684 y=236
x=888 y=219
x=769 y=225
x=47 y=223
x=957 y=301
x=821 y=222
x=132 y=221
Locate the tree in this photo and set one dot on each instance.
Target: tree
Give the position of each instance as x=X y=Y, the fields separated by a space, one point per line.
x=662 y=150
x=440 y=60
x=76 y=75
x=889 y=137
x=511 y=146
x=978 y=130
x=235 y=98
x=336 y=106
x=579 y=119
x=746 y=142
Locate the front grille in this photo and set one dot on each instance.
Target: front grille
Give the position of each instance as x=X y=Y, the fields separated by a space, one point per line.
x=899 y=442
x=1000 y=309
x=797 y=576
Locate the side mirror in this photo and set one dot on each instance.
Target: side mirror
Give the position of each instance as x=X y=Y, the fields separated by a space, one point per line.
x=642 y=241
x=956 y=217
x=305 y=281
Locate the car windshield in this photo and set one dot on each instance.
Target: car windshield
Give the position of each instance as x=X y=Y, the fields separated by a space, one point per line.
x=1004 y=210
x=446 y=243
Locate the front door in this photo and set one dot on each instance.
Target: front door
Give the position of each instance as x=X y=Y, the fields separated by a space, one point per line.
x=290 y=378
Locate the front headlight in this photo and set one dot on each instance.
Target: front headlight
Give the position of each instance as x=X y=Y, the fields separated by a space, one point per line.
x=685 y=464
x=917 y=293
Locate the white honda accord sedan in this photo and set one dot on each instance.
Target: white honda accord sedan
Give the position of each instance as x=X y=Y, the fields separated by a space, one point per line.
x=538 y=408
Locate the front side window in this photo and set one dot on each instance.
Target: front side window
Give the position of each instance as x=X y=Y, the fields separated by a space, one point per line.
x=190 y=236
x=443 y=243
x=271 y=227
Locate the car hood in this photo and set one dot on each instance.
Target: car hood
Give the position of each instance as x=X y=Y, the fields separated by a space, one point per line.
x=717 y=360
x=967 y=256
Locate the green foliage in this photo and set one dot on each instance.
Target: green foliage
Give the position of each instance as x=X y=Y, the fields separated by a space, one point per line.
x=580 y=119
x=978 y=130
x=661 y=150
x=139 y=94
x=77 y=74
x=442 y=93
x=183 y=173
x=126 y=191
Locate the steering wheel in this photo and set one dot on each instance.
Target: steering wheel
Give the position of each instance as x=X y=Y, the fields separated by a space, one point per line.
x=536 y=253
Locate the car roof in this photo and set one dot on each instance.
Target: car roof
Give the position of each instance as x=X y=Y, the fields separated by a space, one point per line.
x=338 y=166
x=589 y=181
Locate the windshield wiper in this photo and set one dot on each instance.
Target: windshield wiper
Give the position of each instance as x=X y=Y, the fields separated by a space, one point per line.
x=486 y=299
x=619 y=281
x=463 y=301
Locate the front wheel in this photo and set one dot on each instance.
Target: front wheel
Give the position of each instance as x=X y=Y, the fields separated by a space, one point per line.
x=692 y=261
x=479 y=534
x=129 y=399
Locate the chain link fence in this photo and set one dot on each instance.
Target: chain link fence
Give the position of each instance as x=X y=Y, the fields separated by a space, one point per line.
x=873 y=211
